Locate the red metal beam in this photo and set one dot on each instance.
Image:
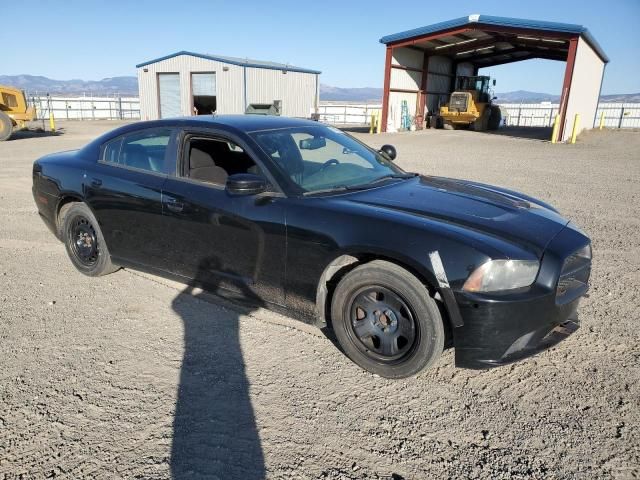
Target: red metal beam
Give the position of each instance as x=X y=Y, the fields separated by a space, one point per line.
x=423 y=87
x=403 y=90
x=387 y=86
x=402 y=67
x=431 y=36
x=523 y=31
x=566 y=85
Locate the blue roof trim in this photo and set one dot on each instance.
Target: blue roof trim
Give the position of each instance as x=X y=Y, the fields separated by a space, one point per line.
x=234 y=61
x=499 y=21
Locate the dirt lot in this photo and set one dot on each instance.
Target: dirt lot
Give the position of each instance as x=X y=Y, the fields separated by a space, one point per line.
x=133 y=376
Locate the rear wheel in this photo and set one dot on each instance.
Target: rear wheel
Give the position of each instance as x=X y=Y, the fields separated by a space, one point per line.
x=6 y=126
x=496 y=117
x=84 y=241
x=481 y=124
x=385 y=320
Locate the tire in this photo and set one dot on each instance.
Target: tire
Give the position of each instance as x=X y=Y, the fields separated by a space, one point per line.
x=482 y=123
x=385 y=320
x=6 y=127
x=496 y=117
x=84 y=242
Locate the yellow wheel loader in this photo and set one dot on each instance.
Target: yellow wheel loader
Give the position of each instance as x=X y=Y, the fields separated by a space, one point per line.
x=14 y=111
x=470 y=105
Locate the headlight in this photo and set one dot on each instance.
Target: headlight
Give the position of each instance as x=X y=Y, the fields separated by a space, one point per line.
x=497 y=275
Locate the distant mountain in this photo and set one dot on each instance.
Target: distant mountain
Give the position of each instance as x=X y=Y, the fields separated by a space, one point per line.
x=337 y=94
x=523 y=96
x=621 y=98
x=38 y=85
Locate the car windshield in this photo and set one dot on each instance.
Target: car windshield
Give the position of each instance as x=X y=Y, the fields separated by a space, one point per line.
x=320 y=159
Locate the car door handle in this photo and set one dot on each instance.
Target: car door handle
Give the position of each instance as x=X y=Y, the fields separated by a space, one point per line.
x=96 y=182
x=173 y=204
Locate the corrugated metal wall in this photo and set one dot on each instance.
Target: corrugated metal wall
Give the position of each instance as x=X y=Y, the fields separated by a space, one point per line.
x=439 y=82
x=585 y=88
x=407 y=57
x=298 y=91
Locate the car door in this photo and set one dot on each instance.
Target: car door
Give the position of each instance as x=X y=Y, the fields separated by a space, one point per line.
x=124 y=190
x=234 y=243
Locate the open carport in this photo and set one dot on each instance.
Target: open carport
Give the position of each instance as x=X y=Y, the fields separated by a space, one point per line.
x=422 y=64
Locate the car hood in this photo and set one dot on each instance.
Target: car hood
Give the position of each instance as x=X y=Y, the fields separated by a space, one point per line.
x=492 y=210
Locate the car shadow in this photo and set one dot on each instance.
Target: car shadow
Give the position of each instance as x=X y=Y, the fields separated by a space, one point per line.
x=530 y=133
x=214 y=428
x=34 y=133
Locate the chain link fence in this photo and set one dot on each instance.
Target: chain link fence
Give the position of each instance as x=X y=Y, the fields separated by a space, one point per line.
x=616 y=115
x=613 y=115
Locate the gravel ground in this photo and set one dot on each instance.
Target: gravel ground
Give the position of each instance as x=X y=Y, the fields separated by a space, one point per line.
x=130 y=375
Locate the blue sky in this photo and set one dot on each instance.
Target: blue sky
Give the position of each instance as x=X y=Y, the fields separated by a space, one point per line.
x=92 y=39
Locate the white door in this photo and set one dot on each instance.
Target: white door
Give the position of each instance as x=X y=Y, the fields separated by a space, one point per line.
x=169 y=93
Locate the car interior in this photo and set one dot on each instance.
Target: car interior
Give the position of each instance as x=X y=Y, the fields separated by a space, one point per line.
x=144 y=157
x=213 y=161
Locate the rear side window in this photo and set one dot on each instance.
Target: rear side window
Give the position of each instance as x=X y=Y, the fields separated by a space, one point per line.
x=143 y=150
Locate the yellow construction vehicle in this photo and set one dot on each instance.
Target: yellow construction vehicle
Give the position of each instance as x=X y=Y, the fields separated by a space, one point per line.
x=14 y=111
x=470 y=105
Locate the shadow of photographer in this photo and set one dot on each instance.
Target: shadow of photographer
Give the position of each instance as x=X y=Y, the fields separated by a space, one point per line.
x=214 y=429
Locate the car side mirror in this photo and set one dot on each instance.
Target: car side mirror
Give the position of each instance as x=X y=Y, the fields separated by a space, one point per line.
x=389 y=151
x=494 y=82
x=245 y=184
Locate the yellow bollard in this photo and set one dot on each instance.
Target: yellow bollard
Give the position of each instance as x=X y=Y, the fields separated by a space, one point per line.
x=52 y=122
x=378 y=122
x=554 y=133
x=576 y=125
x=372 y=125
x=601 y=120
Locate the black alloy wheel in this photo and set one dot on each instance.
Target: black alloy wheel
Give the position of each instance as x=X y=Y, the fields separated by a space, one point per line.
x=83 y=240
x=382 y=323
x=385 y=320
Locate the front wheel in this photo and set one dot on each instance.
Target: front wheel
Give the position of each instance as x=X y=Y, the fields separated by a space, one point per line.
x=84 y=241
x=6 y=126
x=385 y=320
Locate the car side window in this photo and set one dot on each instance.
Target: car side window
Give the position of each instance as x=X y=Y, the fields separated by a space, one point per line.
x=143 y=150
x=213 y=160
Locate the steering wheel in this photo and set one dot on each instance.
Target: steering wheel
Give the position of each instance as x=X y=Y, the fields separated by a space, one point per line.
x=329 y=162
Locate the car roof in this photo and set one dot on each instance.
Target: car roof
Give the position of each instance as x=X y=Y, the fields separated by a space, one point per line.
x=244 y=123
x=230 y=123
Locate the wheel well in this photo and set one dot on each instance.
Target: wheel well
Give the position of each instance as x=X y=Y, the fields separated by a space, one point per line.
x=342 y=265
x=65 y=200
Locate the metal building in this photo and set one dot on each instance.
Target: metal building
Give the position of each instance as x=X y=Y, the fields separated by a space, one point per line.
x=421 y=64
x=187 y=83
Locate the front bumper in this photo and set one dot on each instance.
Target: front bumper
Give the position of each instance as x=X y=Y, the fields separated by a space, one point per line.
x=503 y=328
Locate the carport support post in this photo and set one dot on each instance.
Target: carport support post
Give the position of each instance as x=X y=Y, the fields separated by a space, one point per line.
x=387 y=87
x=423 y=88
x=566 y=86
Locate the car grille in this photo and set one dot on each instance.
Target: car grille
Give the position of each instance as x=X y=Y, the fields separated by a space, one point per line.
x=458 y=102
x=574 y=277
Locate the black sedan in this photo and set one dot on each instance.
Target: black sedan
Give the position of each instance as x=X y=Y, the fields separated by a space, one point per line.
x=305 y=219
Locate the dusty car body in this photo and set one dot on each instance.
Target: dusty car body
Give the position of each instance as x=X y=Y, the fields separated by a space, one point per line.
x=304 y=219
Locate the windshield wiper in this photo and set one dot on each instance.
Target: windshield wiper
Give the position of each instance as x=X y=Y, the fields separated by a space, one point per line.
x=391 y=175
x=361 y=186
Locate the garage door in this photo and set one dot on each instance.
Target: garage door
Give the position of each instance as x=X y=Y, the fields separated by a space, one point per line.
x=169 y=87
